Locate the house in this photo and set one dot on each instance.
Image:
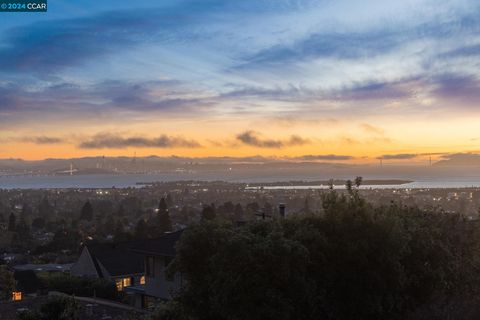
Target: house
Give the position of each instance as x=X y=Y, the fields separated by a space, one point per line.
x=157 y=255
x=112 y=261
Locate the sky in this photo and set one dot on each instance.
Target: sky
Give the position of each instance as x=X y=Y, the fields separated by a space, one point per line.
x=326 y=80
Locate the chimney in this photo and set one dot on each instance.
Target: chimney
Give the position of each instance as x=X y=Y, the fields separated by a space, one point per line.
x=282 y=210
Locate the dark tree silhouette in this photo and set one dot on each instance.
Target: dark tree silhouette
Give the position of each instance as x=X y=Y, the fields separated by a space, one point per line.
x=238 y=212
x=45 y=209
x=141 y=229
x=349 y=185
x=38 y=223
x=87 y=212
x=169 y=200
x=208 y=212
x=11 y=222
x=163 y=217
x=358 y=181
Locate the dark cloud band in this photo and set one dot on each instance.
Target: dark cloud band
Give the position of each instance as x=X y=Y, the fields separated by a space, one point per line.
x=253 y=138
x=110 y=141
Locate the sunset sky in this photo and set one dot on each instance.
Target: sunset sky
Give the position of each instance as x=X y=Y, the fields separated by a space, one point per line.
x=334 y=80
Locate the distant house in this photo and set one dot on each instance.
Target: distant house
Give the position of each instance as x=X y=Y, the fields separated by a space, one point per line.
x=157 y=254
x=114 y=262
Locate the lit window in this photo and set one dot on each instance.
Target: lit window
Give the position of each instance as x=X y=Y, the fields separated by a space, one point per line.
x=142 y=280
x=119 y=284
x=16 y=296
x=122 y=283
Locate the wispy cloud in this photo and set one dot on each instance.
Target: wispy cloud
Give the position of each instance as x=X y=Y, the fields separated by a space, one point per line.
x=254 y=139
x=43 y=140
x=372 y=129
x=40 y=140
x=460 y=159
x=326 y=157
x=112 y=141
x=457 y=87
x=49 y=46
x=399 y=156
x=364 y=44
x=103 y=98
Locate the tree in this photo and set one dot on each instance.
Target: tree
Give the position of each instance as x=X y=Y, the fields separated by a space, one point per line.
x=120 y=234
x=164 y=222
x=11 y=222
x=208 y=212
x=356 y=261
x=169 y=200
x=87 y=212
x=238 y=213
x=358 y=181
x=268 y=209
x=330 y=184
x=38 y=223
x=267 y=280
x=348 y=186
x=141 y=229
x=22 y=227
x=57 y=308
x=26 y=210
x=306 y=207
x=121 y=211
x=45 y=209
x=108 y=227
x=162 y=206
x=65 y=239
x=7 y=282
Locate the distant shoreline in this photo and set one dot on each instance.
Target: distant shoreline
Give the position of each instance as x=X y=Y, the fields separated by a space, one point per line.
x=255 y=180
x=336 y=182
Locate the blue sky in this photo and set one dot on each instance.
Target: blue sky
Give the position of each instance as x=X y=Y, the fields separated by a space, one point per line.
x=125 y=64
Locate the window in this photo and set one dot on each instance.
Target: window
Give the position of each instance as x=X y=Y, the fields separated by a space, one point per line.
x=150 y=267
x=16 y=296
x=121 y=283
x=142 y=280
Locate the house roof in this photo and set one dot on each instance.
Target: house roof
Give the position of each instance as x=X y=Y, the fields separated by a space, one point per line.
x=116 y=258
x=163 y=246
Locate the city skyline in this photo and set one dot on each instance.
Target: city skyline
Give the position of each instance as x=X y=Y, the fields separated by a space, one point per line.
x=304 y=80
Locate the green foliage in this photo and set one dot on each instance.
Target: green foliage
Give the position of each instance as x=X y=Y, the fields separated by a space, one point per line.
x=87 y=212
x=7 y=282
x=353 y=262
x=64 y=239
x=164 y=221
x=141 y=229
x=45 y=209
x=38 y=223
x=80 y=286
x=11 y=222
x=208 y=212
x=172 y=310
x=58 y=308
